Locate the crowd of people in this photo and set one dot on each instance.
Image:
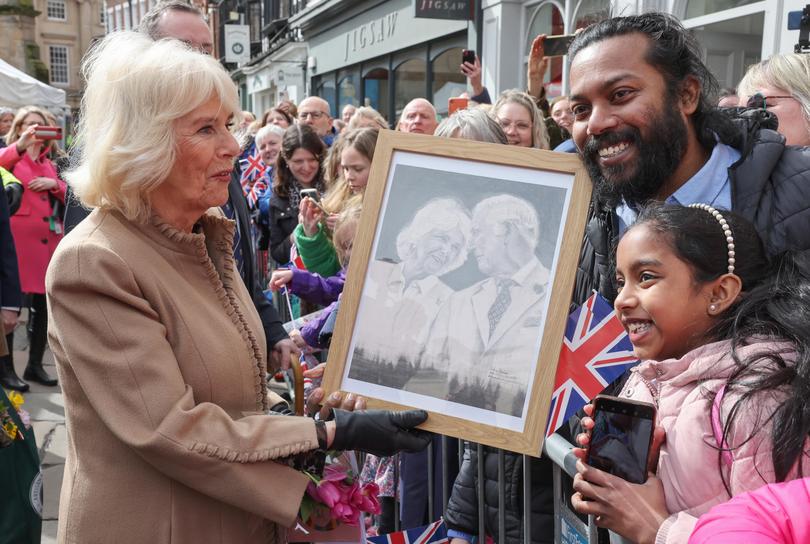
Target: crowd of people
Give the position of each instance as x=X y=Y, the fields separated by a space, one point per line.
x=196 y=230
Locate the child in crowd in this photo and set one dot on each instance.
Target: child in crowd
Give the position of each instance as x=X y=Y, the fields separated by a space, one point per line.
x=311 y=234
x=725 y=353
x=316 y=289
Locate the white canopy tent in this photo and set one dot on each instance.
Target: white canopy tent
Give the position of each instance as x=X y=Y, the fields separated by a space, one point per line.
x=18 y=89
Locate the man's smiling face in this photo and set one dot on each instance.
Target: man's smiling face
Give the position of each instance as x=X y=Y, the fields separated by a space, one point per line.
x=628 y=125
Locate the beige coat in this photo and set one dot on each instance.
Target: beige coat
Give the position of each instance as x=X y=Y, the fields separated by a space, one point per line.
x=161 y=356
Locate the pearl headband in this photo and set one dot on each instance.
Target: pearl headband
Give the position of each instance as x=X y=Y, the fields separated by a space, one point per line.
x=726 y=231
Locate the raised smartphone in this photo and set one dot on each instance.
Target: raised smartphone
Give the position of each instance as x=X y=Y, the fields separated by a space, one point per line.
x=557 y=46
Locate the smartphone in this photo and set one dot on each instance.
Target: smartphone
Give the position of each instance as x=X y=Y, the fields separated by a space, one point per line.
x=48 y=133
x=557 y=46
x=621 y=437
x=315 y=196
x=468 y=55
x=455 y=104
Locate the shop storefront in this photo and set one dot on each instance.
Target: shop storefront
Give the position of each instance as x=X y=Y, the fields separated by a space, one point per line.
x=277 y=76
x=733 y=34
x=383 y=56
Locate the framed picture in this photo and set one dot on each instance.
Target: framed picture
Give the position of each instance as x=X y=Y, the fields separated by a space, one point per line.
x=459 y=285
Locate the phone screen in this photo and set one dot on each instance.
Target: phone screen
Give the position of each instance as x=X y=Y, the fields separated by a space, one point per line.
x=620 y=440
x=557 y=46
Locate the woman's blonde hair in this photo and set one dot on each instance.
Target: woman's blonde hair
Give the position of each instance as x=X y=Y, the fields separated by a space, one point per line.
x=366 y=116
x=346 y=229
x=789 y=71
x=540 y=137
x=136 y=90
x=364 y=141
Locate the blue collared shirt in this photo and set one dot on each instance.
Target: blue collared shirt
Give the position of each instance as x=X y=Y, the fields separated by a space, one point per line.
x=710 y=185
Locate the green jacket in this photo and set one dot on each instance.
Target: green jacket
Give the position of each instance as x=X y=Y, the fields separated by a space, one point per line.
x=317 y=252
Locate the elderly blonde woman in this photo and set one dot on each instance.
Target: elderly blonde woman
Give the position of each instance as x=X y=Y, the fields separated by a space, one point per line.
x=367 y=117
x=520 y=119
x=781 y=85
x=158 y=346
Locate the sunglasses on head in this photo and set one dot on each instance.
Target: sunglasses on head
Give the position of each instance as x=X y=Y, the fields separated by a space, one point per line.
x=760 y=101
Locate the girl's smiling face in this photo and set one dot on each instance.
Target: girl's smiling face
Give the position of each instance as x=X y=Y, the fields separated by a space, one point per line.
x=664 y=310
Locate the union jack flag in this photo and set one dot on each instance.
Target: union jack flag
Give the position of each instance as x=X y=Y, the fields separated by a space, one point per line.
x=255 y=192
x=252 y=169
x=435 y=533
x=596 y=350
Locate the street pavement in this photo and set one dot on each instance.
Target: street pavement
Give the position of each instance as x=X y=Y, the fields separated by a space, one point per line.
x=48 y=419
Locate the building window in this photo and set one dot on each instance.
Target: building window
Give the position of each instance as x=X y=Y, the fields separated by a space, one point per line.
x=56 y=10
x=110 y=19
x=102 y=14
x=59 y=64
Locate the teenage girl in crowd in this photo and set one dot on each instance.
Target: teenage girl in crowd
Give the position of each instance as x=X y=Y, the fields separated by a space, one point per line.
x=311 y=234
x=298 y=167
x=725 y=355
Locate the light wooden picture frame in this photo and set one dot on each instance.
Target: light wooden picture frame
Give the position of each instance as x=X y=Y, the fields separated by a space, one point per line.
x=459 y=285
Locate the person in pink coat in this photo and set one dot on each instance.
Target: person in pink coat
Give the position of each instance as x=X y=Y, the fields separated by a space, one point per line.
x=722 y=334
x=773 y=514
x=36 y=226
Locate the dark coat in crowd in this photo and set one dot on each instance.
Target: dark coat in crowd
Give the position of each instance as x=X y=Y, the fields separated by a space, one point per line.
x=462 y=509
x=283 y=220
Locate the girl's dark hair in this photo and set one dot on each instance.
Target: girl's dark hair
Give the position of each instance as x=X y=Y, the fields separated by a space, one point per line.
x=297 y=137
x=774 y=307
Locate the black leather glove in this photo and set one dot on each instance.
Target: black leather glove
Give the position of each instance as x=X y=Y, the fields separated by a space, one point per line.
x=14 y=192
x=380 y=432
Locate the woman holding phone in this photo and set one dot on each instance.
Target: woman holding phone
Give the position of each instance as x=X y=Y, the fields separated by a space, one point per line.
x=298 y=167
x=37 y=227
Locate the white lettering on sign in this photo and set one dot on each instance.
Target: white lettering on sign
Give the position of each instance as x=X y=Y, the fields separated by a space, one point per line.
x=376 y=31
x=444 y=5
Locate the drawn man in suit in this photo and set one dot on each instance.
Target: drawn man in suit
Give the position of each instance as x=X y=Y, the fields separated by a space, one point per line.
x=486 y=335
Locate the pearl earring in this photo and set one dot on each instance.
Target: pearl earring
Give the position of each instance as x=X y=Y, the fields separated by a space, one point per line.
x=712 y=308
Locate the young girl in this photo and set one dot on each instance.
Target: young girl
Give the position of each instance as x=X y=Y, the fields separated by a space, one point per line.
x=312 y=287
x=311 y=238
x=725 y=355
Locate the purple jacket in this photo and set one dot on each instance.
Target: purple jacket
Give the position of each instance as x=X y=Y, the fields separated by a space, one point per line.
x=775 y=513
x=311 y=331
x=315 y=288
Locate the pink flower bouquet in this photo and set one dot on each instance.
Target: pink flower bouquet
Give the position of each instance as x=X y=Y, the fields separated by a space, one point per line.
x=337 y=497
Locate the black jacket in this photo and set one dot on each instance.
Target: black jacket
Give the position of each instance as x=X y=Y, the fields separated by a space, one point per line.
x=462 y=508
x=283 y=220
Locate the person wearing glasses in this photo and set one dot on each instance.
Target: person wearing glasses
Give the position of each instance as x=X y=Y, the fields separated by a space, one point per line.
x=520 y=119
x=315 y=112
x=781 y=85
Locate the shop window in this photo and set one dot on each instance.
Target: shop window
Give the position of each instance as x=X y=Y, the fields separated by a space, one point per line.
x=409 y=82
x=696 y=8
x=546 y=19
x=347 y=93
x=375 y=90
x=591 y=11
x=326 y=90
x=448 y=81
x=730 y=46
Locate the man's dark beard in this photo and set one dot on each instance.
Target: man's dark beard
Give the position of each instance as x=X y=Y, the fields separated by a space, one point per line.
x=658 y=157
